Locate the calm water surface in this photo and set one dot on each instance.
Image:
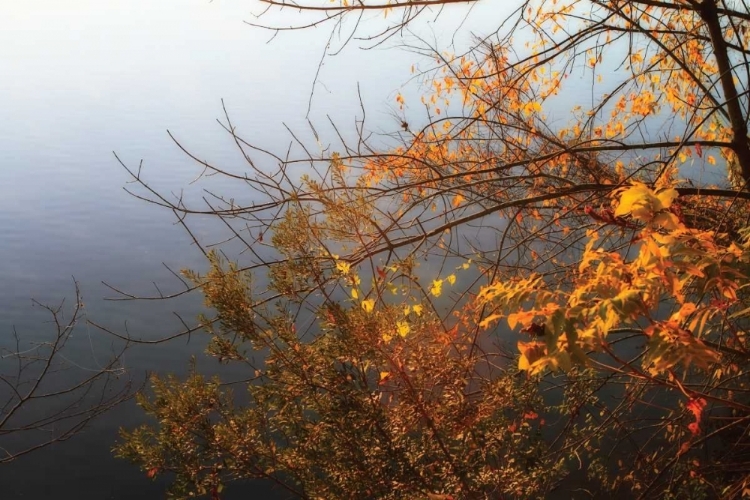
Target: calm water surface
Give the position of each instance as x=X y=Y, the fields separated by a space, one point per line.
x=83 y=78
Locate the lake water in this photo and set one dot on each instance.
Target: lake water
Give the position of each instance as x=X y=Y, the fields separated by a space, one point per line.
x=83 y=78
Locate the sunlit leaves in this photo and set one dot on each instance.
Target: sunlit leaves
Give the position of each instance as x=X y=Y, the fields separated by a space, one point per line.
x=532 y=107
x=530 y=355
x=343 y=267
x=437 y=288
x=642 y=203
x=671 y=345
x=486 y=322
x=403 y=328
x=612 y=292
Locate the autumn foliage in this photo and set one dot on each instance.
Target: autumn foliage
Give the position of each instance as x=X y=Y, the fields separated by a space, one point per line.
x=519 y=298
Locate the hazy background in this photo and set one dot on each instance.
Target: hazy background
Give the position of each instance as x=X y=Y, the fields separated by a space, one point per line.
x=81 y=78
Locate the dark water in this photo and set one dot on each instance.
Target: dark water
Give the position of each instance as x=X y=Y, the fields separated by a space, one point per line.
x=81 y=79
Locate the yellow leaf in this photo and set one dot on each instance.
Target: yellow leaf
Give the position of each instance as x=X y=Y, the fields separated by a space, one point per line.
x=667 y=220
x=525 y=318
x=407 y=310
x=368 y=305
x=343 y=267
x=355 y=295
x=384 y=375
x=641 y=202
x=666 y=197
x=632 y=197
x=451 y=279
x=531 y=352
x=523 y=363
x=532 y=107
x=403 y=328
x=489 y=319
x=711 y=160
x=417 y=309
x=437 y=288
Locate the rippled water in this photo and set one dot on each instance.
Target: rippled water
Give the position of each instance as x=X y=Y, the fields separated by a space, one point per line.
x=82 y=78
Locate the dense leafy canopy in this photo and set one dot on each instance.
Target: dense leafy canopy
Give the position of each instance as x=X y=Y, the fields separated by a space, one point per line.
x=516 y=298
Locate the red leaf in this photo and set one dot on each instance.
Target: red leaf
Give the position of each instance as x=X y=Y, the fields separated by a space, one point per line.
x=694 y=428
x=695 y=406
x=684 y=448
